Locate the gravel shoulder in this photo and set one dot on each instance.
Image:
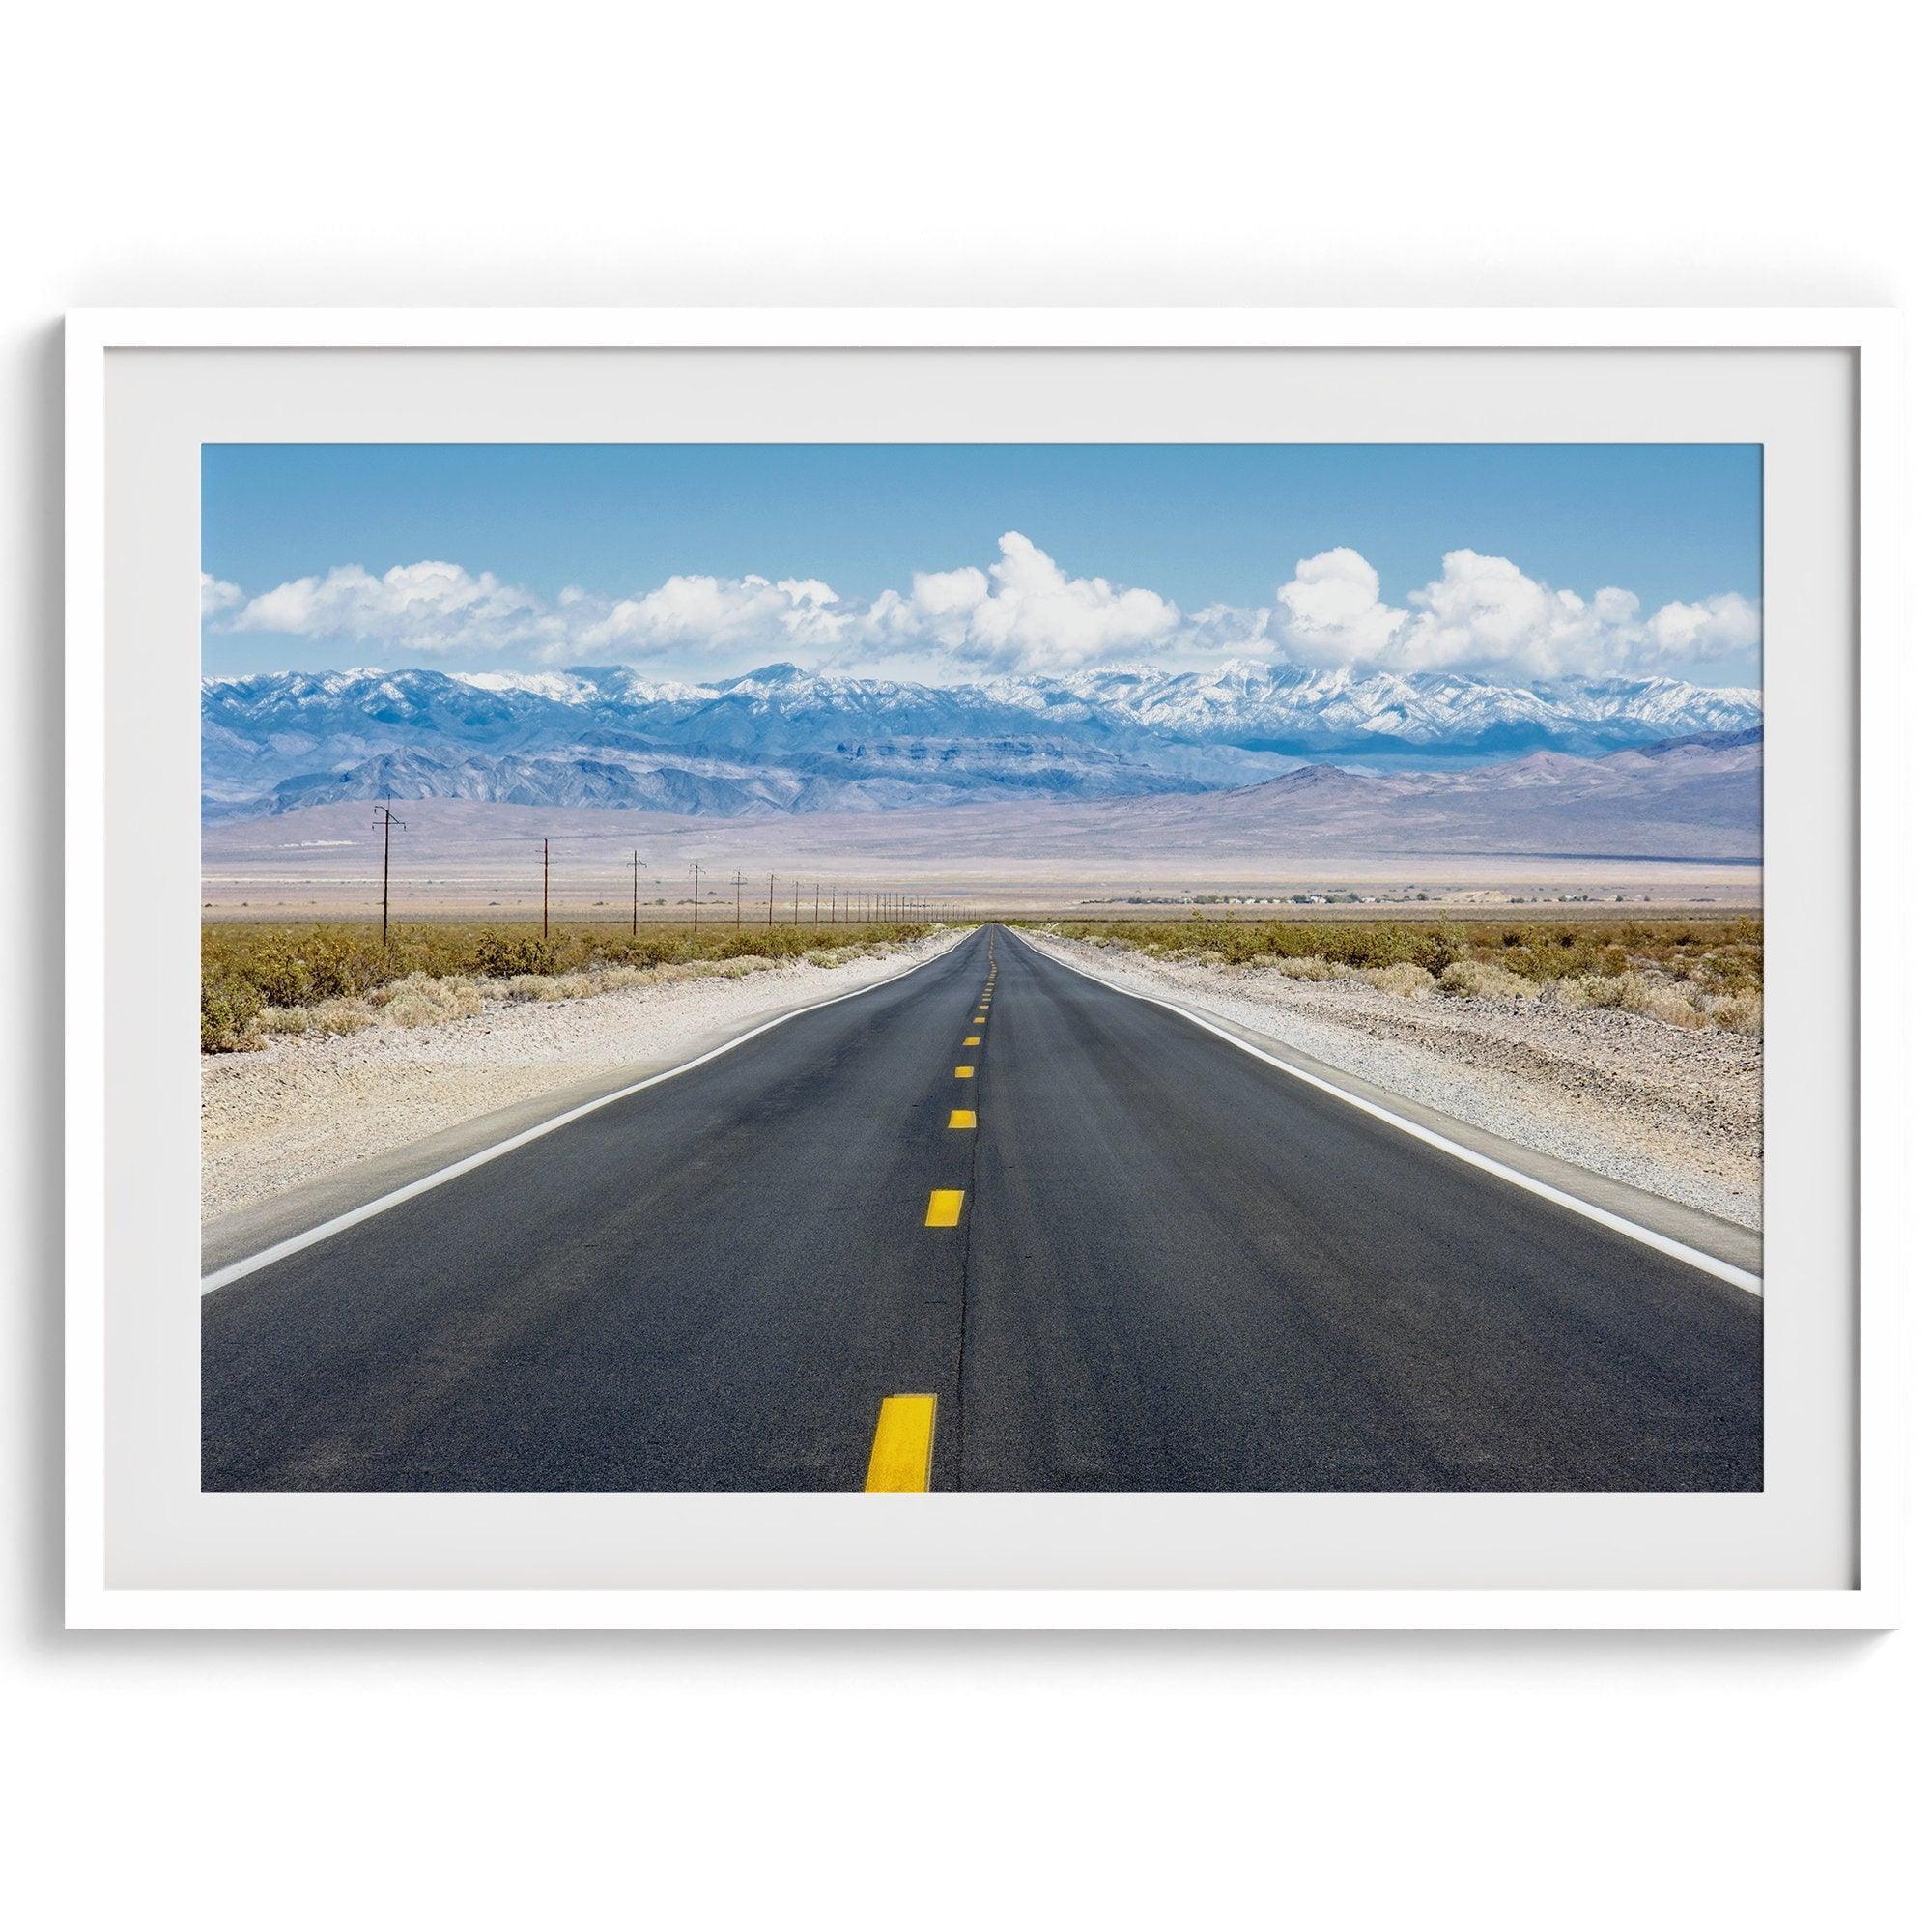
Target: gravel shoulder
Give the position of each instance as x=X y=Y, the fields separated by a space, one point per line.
x=1670 y=1111
x=308 y=1107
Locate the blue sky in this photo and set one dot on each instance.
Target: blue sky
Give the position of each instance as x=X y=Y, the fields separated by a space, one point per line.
x=698 y=561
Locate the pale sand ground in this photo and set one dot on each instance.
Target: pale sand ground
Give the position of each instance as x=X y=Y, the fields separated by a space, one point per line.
x=1674 y=1112
x=460 y=859
x=306 y=1107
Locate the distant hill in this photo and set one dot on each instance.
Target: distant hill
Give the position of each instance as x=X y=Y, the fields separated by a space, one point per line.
x=1651 y=818
x=780 y=740
x=1694 y=798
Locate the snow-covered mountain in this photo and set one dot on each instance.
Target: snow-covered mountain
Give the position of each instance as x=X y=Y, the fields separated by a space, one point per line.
x=781 y=739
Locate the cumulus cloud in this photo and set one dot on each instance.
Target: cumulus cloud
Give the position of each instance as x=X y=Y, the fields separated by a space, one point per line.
x=433 y=607
x=716 y=614
x=1485 y=614
x=218 y=597
x=1025 y=615
x=1331 y=609
x=1227 y=631
x=1022 y=613
x=424 y=606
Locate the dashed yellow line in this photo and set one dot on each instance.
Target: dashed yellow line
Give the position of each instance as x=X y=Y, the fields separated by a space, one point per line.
x=962 y=1073
x=901 y=1462
x=971 y=1040
x=942 y=1209
x=963 y=1116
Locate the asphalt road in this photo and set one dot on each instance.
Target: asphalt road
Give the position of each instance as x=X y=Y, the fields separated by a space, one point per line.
x=1173 y=1269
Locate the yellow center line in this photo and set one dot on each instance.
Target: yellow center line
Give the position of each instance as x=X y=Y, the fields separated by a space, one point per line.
x=942 y=1209
x=962 y=1073
x=901 y=1462
x=971 y=1040
x=963 y=1116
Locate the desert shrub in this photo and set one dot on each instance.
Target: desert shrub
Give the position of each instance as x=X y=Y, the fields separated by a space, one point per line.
x=1665 y=1003
x=341 y=1017
x=229 y=1012
x=1695 y=973
x=619 y=979
x=1299 y=966
x=327 y=1017
x=291 y=966
x=736 y=968
x=1737 y=1012
x=654 y=949
x=1406 y=980
x=423 y=999
x=512 y=956
x=547 y=986
x=1714 y=954
x=280 y=975
x=1478 y=980
x=1434 y=953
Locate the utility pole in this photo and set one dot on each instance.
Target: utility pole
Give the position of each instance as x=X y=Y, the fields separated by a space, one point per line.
x=388 y=819
x=694 y=898
x=771 y=899
x=794 y=902
x=738 y=880
x=814 y=901
x=633 y=894
x=546 y=887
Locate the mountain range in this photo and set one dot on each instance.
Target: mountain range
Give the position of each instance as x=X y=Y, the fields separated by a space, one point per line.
x=780 y=740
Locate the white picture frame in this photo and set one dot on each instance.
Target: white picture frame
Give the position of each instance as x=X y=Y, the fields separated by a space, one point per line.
x=1872 y=1597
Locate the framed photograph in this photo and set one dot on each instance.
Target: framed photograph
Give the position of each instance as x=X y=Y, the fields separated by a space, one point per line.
x=984 y=968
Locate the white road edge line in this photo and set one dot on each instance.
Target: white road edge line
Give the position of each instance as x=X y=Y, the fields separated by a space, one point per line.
x=235 y=1270
x=1681 y=1251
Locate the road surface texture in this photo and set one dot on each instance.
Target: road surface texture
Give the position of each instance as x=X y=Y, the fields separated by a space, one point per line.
x=1117 y=1252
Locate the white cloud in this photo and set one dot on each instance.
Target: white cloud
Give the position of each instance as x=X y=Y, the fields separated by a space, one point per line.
x=1331 y=611
x=1228 y=630
x=424 y=607
x=1706 y=629
x=218 y=597
x=434 y=606
x=700 y=614
x=1482 y=616
x=1026 y=614
x=1486 y=615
